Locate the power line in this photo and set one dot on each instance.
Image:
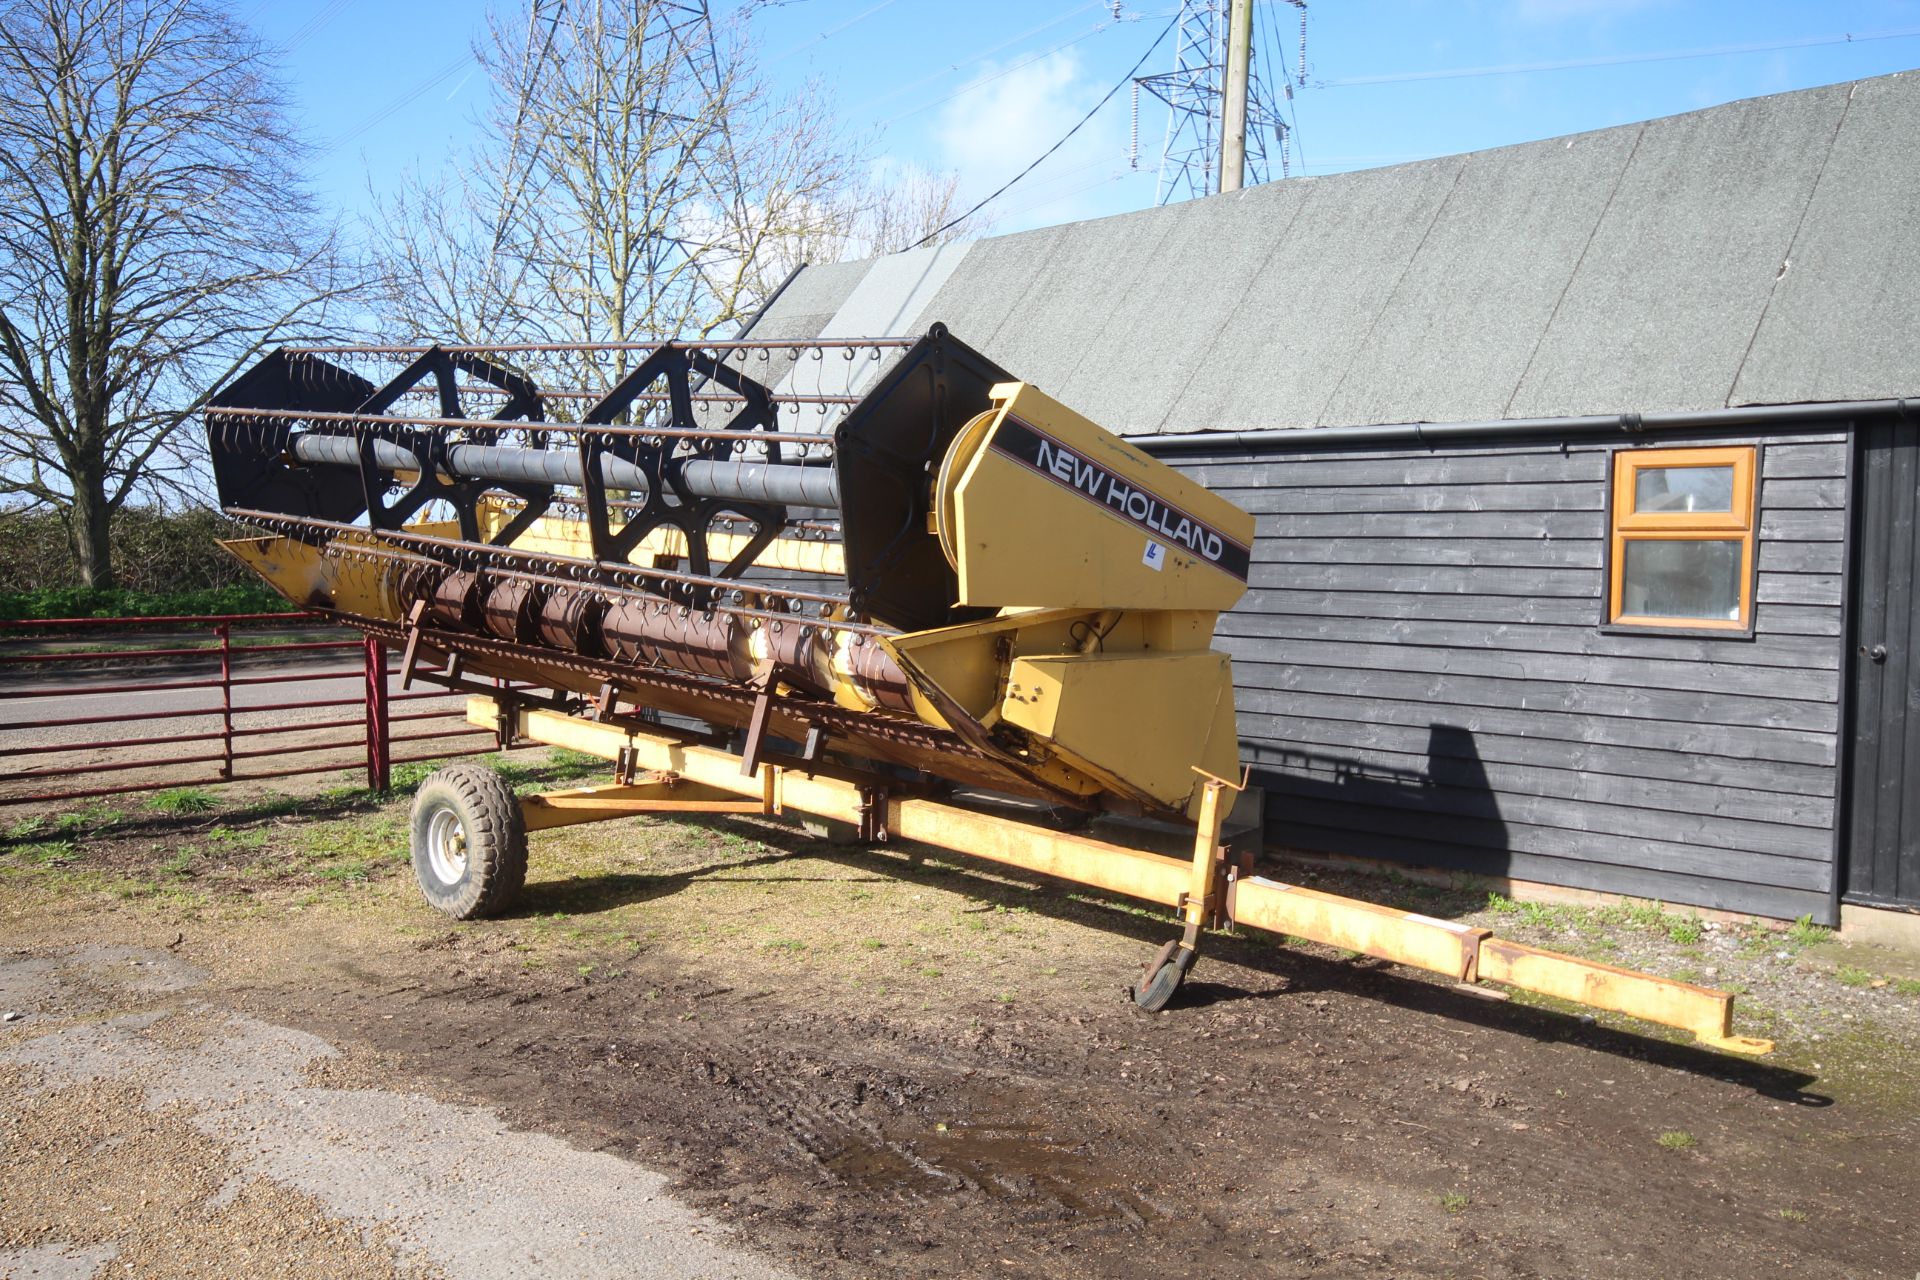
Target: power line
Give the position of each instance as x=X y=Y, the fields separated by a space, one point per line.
x=830 y=32
x=313 y=25
x=1621 y=60
x=971 y=85
x=1122 y=83
x=387 y=112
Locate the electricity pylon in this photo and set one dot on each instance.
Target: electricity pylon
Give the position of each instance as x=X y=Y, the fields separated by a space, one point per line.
x=1192 y=91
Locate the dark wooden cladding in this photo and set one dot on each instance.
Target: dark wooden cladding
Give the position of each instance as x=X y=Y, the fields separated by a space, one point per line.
x=1423 y=676
x=1883 y=800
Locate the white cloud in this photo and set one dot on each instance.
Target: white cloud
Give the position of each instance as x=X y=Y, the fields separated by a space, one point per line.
x=1006 y=118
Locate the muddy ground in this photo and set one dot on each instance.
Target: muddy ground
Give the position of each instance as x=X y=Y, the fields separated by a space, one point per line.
x=867 y=1063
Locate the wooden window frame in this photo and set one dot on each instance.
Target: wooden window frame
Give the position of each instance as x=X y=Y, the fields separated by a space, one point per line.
x=1626 y=524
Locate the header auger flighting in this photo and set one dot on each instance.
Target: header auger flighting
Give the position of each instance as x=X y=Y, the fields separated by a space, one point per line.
x=869 y=580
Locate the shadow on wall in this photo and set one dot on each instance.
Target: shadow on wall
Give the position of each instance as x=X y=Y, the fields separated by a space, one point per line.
x=1445 y=815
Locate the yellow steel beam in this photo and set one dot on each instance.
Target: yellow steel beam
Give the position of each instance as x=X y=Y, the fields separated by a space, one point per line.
x=1147 y=876
x=1705 y=1012
x=569 y=537
x=1136 y=874
x=1402 y=937
x=1466 y=954
x=596 y=804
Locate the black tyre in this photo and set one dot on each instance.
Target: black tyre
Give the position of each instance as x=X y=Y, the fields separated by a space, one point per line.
x=1163 y=978
x=469 y=842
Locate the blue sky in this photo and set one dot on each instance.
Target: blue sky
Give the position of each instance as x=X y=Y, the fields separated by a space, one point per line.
x=982 y=88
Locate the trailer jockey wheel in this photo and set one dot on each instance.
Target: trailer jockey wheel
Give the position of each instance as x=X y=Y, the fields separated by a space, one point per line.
x=1163 y=976
x=469 y=842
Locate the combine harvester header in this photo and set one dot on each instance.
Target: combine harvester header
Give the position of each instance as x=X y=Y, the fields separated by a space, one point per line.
x=877 y=581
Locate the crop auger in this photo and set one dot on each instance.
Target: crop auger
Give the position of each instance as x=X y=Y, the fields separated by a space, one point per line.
x=879 y=581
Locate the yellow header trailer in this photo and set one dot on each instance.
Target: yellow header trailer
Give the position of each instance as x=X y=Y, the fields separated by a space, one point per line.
x=942 y=581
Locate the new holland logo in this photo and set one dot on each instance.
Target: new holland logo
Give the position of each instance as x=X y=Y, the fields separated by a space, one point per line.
x=1070 y=469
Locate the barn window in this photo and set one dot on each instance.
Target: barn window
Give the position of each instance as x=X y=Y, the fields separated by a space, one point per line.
x=1682 y=548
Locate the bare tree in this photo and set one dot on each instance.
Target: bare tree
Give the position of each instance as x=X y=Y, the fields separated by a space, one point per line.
x=636 y=180
x=154 y=236
x=891 y=210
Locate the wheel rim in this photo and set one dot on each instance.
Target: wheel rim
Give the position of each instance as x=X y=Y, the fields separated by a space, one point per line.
x=446 y=846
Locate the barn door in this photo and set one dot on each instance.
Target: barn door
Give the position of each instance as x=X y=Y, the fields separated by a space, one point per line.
x=1883 y=853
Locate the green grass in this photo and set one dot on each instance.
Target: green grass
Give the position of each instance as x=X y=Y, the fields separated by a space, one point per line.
x=90 y=817
x=1907 y=986
x=353 y=871
x=1646 y=915
x=47 y=853
x=1685 y=930
x=182 y=800
x=1805 y=933
x=1792 y=1215
x=229 y=838
x=1454 y=1202
x=1853 y=976
x=1676 y=1140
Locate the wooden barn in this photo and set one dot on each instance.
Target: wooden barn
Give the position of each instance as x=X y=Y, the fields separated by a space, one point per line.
x=1586 y=490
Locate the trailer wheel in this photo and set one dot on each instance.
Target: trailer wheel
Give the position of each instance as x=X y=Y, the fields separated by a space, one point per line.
x=469 y=842
x=1165 y=972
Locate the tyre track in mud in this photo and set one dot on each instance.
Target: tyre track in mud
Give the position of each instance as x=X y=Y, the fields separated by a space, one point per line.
x=1291 y=1119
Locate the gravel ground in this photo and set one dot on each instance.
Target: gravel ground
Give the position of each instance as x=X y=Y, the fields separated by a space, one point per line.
x=850 y=1063
x=177 y=1140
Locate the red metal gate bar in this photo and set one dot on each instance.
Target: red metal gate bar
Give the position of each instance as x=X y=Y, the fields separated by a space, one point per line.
x=379 y=747
x=226 y=720
x=131 y=624
x=225 y=632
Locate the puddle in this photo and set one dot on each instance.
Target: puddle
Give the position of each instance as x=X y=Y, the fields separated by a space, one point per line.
x=1021 y=1163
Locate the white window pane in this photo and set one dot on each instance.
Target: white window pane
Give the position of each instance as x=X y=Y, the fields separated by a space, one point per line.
x=1681 y=578
x=1683 y=489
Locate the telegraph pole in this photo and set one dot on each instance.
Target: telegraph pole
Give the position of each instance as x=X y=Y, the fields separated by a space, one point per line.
x=1202 y=129
x=1233 y=131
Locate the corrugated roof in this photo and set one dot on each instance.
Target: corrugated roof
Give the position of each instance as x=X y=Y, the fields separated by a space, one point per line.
x=1761 y=252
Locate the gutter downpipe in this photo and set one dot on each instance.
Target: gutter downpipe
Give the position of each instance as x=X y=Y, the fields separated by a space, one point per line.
x=1765 y=416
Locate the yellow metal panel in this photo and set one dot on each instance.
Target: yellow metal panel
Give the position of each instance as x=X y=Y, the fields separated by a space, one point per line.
x=964 y=661
x=1052 y=511
x=1145 y=718
x=308 y=577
